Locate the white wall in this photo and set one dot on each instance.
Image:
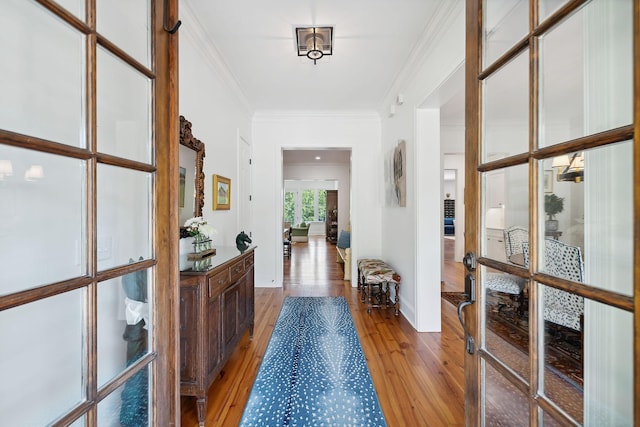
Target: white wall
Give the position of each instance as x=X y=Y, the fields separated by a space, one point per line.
x=211 y=101
x=417 y=259
x=274 y=131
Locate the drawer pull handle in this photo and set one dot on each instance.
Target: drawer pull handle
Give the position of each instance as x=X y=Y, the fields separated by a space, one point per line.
x=220 y=281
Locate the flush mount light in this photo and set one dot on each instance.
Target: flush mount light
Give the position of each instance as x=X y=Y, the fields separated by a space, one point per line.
x=314 y=42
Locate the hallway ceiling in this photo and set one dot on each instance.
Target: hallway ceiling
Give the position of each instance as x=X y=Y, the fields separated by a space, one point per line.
x=326 y=156
x=373 y=41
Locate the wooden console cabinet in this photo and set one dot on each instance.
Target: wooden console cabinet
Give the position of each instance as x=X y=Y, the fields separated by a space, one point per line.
x=216 y=308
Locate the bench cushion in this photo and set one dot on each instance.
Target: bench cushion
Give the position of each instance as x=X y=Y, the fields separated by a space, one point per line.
x=374 y=271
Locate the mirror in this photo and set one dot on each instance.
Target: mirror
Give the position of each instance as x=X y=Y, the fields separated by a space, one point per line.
x=191 y=195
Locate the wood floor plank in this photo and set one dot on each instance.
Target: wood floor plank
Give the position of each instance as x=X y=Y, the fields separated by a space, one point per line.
x=419 y=377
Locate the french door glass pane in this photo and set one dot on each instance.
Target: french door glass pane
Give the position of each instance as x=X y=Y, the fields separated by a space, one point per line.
x=547 y=7
x=588 y=223
x=588 y=366
x=40 y=384
x=506 y=209
x=129 y=404
x=123 y=109
x=506 y=320
x=80 y=422
x=76 y=7
x=504 y=404
x=506 y=110
x=42 y=219
x=124 y=216
x=123 y=323
x=43 y=77
x=505 y=23
x=586 y=66
x=126 y=24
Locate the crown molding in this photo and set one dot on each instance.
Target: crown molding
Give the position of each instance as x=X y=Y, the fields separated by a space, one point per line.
x=433 y=32
x=196 y=33
x=336 y=116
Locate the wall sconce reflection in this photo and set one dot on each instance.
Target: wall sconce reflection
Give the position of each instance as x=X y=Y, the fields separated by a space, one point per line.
x=6 y=169
x=569 y=167
x=34 y=173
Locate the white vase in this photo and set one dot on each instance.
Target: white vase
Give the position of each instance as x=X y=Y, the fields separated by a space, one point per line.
x=186 y=247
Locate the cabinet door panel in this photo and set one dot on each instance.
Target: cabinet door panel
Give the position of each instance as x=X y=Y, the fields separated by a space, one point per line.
x=188 y=334
x=230 y=315
x=242 y=302
x=213 y=334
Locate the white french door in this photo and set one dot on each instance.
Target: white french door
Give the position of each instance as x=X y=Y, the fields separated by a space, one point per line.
x=551 y=91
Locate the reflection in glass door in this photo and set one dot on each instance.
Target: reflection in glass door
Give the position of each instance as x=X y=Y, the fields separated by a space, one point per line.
x=555 y=311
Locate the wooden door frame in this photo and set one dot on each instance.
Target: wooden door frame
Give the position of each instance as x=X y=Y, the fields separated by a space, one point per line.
x=473 y=62
x=166 y=392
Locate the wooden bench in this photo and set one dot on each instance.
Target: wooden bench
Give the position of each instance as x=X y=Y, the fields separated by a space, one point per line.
x=375 y=278
x=344 y=257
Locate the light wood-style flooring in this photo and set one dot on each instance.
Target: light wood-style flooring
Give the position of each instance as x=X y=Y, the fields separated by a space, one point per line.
x=419 y=377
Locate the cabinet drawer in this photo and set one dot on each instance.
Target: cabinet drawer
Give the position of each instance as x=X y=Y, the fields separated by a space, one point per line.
x=236 y=270
x=248 y=261
x=218 y=282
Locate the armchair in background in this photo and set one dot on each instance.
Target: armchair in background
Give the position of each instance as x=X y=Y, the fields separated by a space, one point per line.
x=509 y=285
x=300 y=233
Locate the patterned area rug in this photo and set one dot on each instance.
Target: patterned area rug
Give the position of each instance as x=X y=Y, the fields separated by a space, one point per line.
x=313 y=372
x=563 y=356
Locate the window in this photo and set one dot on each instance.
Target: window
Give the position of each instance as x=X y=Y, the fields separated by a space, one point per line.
x=308 y=205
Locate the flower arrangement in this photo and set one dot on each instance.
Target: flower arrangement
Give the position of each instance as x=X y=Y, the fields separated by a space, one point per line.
x=199 y=228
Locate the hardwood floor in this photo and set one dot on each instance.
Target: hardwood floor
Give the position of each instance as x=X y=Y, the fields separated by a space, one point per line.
x=418 y=376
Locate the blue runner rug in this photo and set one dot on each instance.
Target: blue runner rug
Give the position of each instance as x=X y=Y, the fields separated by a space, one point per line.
x=313 y=372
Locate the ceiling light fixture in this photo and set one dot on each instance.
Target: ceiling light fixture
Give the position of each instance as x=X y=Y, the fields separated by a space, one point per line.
x=314 y=42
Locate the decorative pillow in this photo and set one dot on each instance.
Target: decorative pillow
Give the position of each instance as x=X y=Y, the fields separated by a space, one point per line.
x=303 y=224
x=344 y=240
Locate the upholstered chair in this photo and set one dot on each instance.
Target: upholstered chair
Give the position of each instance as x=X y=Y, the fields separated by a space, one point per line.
x=506 y=283
x=564 y=261
x=514 y=237
x=560 y=307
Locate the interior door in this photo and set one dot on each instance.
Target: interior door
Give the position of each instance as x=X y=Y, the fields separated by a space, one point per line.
x=550 y=112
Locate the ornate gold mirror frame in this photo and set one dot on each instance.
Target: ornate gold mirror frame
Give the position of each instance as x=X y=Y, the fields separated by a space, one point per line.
x=189 y=141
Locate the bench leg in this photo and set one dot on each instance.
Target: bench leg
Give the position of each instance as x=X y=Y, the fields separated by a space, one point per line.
x=369 y=301
x=397 y=301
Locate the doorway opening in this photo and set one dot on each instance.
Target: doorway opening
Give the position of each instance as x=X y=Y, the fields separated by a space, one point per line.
x=316 y=202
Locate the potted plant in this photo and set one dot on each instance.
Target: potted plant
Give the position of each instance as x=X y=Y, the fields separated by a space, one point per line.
x=552 y=205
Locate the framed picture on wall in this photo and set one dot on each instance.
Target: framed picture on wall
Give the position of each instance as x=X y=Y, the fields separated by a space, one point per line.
x=221 y=193
x=548 y=181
